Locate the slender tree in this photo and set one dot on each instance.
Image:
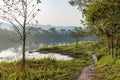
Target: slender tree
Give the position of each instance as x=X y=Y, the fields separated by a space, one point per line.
x=20 y=13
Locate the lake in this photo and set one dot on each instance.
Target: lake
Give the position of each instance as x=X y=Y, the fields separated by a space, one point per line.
x=11 y=55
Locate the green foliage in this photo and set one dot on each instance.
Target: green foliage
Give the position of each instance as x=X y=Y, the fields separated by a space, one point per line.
x=81 y=3
x=99 y=49
x=103 y=19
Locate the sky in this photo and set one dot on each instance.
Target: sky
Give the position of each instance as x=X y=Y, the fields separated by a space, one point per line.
x=59 y=13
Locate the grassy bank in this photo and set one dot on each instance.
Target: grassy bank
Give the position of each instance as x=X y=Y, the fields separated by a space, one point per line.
x=107 y=68
x=81 y=51
x=48 y=69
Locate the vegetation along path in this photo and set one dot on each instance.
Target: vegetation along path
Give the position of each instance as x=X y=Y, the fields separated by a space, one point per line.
x=89 y=71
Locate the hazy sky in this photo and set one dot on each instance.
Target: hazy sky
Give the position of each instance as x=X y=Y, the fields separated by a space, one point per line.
x=59 y=12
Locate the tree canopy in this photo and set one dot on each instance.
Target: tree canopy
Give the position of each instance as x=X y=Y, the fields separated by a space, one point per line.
x=102 y=18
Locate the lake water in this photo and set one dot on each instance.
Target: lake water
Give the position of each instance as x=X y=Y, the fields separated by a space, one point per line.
x=11 y=55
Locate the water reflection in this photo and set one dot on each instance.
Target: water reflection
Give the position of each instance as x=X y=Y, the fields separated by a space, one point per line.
x=10 y=55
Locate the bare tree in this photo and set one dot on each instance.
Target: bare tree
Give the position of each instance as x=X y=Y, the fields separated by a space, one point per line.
x=20 y=13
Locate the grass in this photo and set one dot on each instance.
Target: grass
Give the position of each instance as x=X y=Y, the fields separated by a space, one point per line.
x=44 y=69
x=49 y=69
x=77 y=52
x=107 y=68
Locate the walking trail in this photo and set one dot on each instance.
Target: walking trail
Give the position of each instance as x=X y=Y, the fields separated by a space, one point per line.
x=88 y=72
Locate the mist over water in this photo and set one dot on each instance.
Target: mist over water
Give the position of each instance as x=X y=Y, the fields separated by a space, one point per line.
x=11 y=55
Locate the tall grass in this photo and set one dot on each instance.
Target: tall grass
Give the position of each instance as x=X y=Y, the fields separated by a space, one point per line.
x=44 y=69
x=108 y=69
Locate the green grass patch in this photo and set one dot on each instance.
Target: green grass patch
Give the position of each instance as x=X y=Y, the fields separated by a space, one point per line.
x=82 y=51
x=44 y=69
x=108 y=69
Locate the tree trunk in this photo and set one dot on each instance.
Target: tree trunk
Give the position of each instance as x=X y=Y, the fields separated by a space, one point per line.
x=24 y=39
x=115 y=46
x=23 y=48
x=108 y=46
x=112 y=46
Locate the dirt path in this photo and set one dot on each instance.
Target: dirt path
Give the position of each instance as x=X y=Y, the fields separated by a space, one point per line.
x=88 y=72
